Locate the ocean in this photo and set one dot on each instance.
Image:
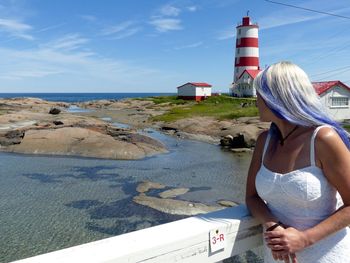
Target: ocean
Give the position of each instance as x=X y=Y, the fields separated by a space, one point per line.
x=81 y=97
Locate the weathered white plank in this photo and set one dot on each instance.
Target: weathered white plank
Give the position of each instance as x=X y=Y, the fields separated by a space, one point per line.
x=185 y=241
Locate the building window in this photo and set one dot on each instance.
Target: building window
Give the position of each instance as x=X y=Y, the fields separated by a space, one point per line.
x=239 y=31
x=340 y=102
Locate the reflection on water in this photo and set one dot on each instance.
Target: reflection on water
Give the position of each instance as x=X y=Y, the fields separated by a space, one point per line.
x=121 y=125
x=49 y=203
x=76 y=109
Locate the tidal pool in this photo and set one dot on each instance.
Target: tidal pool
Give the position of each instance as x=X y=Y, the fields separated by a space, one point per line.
x=49 y=203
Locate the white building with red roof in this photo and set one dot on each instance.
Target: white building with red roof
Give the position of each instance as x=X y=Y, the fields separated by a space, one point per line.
x=243 y=87
x=335 y=97
x=194 y=91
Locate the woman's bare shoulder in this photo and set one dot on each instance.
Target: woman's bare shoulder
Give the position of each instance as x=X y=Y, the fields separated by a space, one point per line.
x=326 y=136
x=329 y=144
x=262 y=137
x=260 y=141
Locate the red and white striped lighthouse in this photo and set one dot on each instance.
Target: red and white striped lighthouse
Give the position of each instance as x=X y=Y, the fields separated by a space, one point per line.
x=247 y=48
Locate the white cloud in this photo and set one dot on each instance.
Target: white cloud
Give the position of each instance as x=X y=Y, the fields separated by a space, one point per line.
x=169 y=10
x=122 y=30
x=127 y=33
x=192 y=8
x=117 y=28
x=13 y=25
x=59 y=67
x=16 y=28
x=274 y=20
x=229 y=33
x=166 y=24
x=68 y=42
x=164 y=20
x=89 y=18
x=225 y=3
x=23 y=36
x=271 y=21
x=285 y=17
x=42 y=62
x=50 y=28
x=36 y=73
x=194 y=45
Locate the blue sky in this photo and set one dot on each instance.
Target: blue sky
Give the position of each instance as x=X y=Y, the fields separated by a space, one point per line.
x=155 y=46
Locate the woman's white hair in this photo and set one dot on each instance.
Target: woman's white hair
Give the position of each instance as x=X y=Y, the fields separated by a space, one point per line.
x=290 y=95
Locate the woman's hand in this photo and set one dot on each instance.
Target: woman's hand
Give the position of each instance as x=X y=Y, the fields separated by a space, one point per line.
x=285 y=242
x=280 y=254
x=287 y=258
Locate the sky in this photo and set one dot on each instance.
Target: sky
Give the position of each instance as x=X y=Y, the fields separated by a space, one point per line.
x=156 y=46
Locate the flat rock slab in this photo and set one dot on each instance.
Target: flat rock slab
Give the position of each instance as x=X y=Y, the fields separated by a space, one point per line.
x=175 y=207
x=146 y=186
x=16 y=125
x=80 y=142
x=227 y=203
x=241 y=150
x=173 y=192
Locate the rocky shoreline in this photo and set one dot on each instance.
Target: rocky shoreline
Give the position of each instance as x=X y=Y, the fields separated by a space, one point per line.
x=238 y=135
x=35 y=126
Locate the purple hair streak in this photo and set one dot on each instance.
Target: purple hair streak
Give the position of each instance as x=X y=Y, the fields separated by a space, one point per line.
x=289 y=94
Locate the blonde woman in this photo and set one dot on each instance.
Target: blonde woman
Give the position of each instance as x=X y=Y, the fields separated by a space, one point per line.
x=298 y=182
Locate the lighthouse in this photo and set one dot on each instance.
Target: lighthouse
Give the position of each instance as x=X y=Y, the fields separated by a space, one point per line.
x=246 y=65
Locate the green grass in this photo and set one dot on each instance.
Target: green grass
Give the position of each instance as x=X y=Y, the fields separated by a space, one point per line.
x=220 y=107
x=172 y=100
x=347 y=127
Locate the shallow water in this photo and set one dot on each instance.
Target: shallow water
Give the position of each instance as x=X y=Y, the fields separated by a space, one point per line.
x=49 y=203
x=75 y=109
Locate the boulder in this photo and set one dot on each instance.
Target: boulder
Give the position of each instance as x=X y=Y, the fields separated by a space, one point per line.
x=226 y=140
x=237 y=141
x=54 y=111
x=198 y=137
x=58 y=123
x=168 y=128
x=14 y=134
x=11 y=137
x=80 y=142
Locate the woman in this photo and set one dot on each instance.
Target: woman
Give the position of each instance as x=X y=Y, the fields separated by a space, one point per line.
x=298 y=182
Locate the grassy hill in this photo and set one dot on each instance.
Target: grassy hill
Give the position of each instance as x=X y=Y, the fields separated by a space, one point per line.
x=220 y=107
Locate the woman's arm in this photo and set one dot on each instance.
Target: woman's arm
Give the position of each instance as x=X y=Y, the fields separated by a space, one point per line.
x=255 y=204
x=334 y=159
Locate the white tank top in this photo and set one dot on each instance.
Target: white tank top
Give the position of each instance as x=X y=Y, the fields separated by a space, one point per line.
x=302 y=198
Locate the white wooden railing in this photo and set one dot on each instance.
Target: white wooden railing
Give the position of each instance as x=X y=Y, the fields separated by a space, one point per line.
x=230 y=231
